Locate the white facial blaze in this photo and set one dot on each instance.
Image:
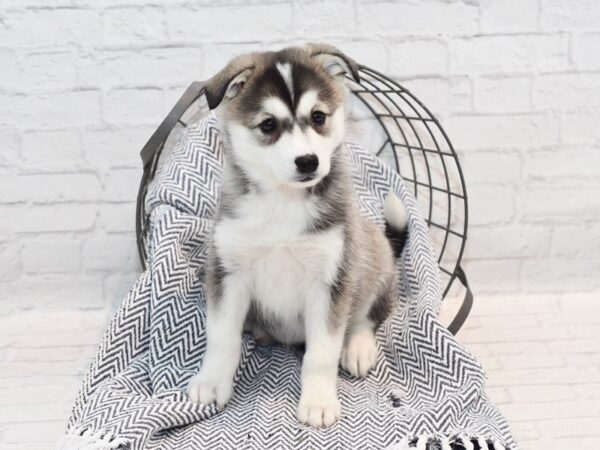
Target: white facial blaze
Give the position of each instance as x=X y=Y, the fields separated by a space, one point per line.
x=285 y=69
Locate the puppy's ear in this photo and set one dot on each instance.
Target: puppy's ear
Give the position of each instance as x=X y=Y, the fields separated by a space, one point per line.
x=228 y=83
x=335 y=62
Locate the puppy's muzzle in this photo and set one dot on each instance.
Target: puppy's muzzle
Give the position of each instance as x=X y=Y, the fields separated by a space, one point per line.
x=307 y=164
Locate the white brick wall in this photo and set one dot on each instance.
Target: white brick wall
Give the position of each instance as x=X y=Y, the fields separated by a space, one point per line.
x=83 y=83
x=516 y=83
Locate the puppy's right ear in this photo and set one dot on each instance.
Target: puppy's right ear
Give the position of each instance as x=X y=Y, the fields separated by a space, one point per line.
x=334 y=61
x=230 y=81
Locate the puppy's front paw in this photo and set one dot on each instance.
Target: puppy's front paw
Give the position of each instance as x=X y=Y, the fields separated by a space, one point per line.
x=205 y=390
x=319 y=412
x=360 y=353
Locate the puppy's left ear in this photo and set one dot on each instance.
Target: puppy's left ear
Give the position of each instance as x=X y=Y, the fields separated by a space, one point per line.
x=336 y=63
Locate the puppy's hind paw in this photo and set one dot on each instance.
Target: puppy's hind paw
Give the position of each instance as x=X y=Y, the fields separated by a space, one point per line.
x=360 y=353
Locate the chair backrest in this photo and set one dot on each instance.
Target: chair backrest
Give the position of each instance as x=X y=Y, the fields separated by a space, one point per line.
x=386 y=118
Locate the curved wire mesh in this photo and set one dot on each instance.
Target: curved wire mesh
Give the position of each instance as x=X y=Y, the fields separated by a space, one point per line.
x=390 y=121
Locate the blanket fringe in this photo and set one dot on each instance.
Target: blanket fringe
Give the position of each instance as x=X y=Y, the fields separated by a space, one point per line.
x=87 y=439
x=445 y=442
x=466 y=442
x=441 y=442
x=498 y=445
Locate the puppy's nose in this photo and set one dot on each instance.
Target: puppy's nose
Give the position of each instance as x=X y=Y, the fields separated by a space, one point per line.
x=307 y=163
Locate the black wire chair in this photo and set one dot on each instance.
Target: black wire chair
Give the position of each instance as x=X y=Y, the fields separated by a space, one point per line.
x=405 y=134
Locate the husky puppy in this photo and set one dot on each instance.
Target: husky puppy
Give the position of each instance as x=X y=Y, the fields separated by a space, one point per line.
x=291 y=259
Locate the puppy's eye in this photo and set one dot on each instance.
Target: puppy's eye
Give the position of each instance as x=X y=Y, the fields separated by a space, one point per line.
x=268 y=125
x=318 y=117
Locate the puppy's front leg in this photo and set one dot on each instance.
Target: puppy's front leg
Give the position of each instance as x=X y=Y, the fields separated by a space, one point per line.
x=224 y=327
x=319 y=405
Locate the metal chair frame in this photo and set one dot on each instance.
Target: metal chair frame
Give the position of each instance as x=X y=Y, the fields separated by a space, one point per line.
x=407 y=126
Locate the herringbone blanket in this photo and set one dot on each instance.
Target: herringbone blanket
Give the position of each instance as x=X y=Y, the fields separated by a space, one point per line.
x=426 y=390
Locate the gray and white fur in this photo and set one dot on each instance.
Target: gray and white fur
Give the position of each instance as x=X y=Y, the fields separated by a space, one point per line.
x=291 y=258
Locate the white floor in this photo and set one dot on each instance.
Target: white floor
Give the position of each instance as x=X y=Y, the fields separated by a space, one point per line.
x=541 y=353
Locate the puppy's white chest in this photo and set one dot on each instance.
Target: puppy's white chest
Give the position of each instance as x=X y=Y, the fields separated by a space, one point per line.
x=280 y=262
x=282 y=274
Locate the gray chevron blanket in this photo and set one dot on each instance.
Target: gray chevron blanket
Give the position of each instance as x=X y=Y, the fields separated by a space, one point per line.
x=426 y=391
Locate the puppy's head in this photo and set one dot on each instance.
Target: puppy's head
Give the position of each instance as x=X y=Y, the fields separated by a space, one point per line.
x=283 y=112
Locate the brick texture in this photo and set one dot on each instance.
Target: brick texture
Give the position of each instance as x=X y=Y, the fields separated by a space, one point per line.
x=515 y=83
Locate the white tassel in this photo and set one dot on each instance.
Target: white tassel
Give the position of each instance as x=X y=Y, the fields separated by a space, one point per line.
x=90 y=440
x=482 y=443
x=466 y=442
x=498 y=445
x=101 y=436
x=445 y=443
x=422 y=442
